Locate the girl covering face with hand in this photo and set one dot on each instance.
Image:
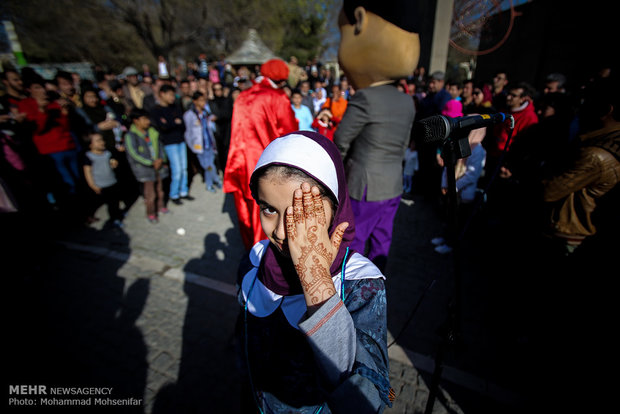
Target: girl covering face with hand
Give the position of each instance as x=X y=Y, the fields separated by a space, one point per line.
x=314 y=311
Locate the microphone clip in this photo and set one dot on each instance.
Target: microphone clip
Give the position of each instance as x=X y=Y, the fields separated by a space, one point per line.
x=457 y=148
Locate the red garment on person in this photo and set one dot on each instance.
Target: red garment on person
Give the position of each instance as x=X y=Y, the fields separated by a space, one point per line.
x=58 y=136
x=327 y=130
x=261 y=114
x=523 y=119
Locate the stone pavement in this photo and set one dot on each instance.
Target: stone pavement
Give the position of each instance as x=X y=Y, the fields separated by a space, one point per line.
x=150 y=309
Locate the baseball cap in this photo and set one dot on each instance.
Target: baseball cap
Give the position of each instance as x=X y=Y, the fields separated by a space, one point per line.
x=438 y=75
x=129 y=71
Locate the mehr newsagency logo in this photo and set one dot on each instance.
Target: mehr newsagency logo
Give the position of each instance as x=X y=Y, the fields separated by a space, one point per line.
x=43 y=395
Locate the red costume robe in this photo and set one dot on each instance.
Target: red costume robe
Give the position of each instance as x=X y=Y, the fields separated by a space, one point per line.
x=261 y=114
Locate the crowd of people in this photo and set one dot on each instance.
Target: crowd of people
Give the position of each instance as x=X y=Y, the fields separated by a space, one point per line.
x=72 y=144
x=528 y=171
x=75 y=144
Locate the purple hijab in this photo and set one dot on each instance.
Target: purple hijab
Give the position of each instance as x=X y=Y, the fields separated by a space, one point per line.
x=277 y=272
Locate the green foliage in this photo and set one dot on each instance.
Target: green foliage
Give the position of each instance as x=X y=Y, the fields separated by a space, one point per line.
x=307 y=28
x=71 y=31
x=303 y=38
x=117 y=33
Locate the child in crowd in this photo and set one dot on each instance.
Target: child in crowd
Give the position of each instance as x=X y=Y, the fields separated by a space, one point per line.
x=148 y=162
x=454 y=107
x=315 y=332
x=302 y=112
x=98 y=166
x=199 y=138
x=167 y=118
x=319 y=96
x=325 y=123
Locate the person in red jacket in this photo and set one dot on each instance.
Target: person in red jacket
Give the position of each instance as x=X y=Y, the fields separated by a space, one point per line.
x=261 y=114
x=519 y=101
x=326 y=123
x=521 y=106
x=51 y=132
x=501 y=188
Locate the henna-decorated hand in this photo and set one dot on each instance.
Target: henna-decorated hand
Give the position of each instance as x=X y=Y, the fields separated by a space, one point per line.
x=311 y=249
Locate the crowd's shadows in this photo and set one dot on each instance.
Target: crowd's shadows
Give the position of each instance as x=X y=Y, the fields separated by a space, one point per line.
x=208 y=378
x=229 y=208
x=220 y=258
x=73 y=319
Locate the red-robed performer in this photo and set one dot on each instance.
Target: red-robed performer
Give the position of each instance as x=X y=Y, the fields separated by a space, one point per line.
x=261 y=114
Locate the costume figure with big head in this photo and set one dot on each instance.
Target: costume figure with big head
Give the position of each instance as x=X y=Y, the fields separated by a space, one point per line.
x=379 y=45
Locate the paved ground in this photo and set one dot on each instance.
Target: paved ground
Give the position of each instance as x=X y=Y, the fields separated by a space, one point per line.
x=151 y=312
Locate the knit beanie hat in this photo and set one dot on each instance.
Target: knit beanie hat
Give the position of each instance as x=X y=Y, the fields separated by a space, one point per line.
x=275 y=69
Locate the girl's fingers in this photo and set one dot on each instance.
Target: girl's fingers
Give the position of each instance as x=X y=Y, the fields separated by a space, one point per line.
x=308 y=203
x=319 y=210
x=338 y=233
x=298 y=207
x=291 y=231
x=310 y=227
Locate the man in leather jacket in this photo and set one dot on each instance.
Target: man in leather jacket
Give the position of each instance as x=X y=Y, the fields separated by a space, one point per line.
x=596 y=171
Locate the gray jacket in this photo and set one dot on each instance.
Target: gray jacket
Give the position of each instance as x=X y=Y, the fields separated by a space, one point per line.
x=139 y=154
x=372 y=138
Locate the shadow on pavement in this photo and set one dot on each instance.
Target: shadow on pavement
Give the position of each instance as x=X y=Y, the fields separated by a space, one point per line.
x=73 y=322
x=220 y=259
x=208 y=361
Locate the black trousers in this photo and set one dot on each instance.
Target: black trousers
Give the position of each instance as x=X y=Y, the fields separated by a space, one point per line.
x=110 y=196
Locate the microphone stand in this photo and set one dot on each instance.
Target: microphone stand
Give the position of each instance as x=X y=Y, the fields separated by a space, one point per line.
x=453 y=149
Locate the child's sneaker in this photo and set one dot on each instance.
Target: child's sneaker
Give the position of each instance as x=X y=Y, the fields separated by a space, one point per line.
x=164 y=211
x=443 y=249
x=438 y=241
x=153 y=219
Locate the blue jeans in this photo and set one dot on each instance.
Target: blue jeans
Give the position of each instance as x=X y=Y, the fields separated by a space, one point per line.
x=207 y=162
x=66 y=163
x=177 y=156
x=407 y=183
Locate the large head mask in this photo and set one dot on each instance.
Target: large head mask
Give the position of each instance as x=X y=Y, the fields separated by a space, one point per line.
x=378 y=40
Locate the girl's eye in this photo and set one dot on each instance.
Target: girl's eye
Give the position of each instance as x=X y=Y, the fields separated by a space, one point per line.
x=268 y=211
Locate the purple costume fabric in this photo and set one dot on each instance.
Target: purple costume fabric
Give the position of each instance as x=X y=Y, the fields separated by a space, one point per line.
x=374 y=222
x=277 y=272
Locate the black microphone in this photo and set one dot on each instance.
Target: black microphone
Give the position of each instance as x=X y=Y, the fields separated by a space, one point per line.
x=438 y=128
